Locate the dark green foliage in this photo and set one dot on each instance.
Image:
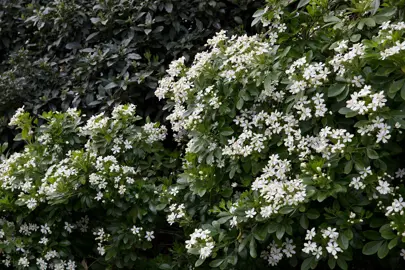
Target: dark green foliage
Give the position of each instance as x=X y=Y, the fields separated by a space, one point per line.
x=94 y=54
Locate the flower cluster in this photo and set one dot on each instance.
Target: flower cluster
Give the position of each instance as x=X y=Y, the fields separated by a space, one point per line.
x=275 y=253
x=176 y=213
x=200 y=243
x=332 y=247
x=286 y=139
x=101 y=237
x=376 y=101
x=105 y=163
x=275 y=135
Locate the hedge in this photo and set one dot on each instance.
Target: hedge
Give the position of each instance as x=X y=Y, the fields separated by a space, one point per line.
x=289 y=156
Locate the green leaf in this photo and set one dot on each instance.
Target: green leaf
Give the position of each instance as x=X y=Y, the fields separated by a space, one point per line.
x=331 y=18
x=403 y=92
x=360 y=25
x=322 y=195
x=110 y=254
x=232 y=259
x=258 y=13
x=386 y=232
x=165 y=266
x=342 y=263
x=345 y=110
x=370 y=22
x=348 y=167
x=280 y=231
x=372 y=247
x=252 y=248
x=375 y=5
x=332 y=262
x=73 y=46
x=383 y=250
x=110 y=85
x=304 y=221
x=336 y=89
x=343 y=241
x=4 y=147
x=286 y=210
x=372 y=154
x=216 y=263
x=199 y=262
x=243 y=243
x=349 y=234
x=224 y=219
x=239 y=104
x=313 y=213
x=355 y=37
x=169 y=7
x=64 y=243
x=393 y=243
x=260 y=232
x=306 y=264
x=256 y=20
x=272 y=227
x=372 y=235
x=227 y=131
x=396 y=86
x=302 y=3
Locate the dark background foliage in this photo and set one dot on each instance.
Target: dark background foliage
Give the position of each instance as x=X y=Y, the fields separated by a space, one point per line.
x=93 y=54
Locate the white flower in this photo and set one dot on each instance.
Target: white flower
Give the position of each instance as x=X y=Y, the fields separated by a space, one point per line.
x=127 y=144
x=331 y=233
x=51 y=254
x=130 y=180
x=233 y=222
x=69 y=227
x=42 y=264
x=358 y=81
x=400 y=173
x=45 y=229
x=149 y=235
x=317 y=252
x=136 y=230
x=14 y=121
x=31 y=203
x=23 y=261
x=333 y=248
x=122 y=189
x=250 y=213
x=101 y=249
x=383 y=187
x=116 y=149
x=43 y=240
x=309 y=247
x=205 y=252
x=174 y=191
x=357 y=183
x=99 y=196
x=71 y=265
x=288 y=248
x=402 y=254
x=310 y=234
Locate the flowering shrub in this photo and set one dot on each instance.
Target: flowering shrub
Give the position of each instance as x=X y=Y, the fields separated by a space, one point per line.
x=84 y=193
x=291 y=157
x=293 y=139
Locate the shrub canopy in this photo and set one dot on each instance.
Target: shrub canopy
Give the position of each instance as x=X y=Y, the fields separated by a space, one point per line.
x=95 y=54
x=289 y=155
x=294 y=138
